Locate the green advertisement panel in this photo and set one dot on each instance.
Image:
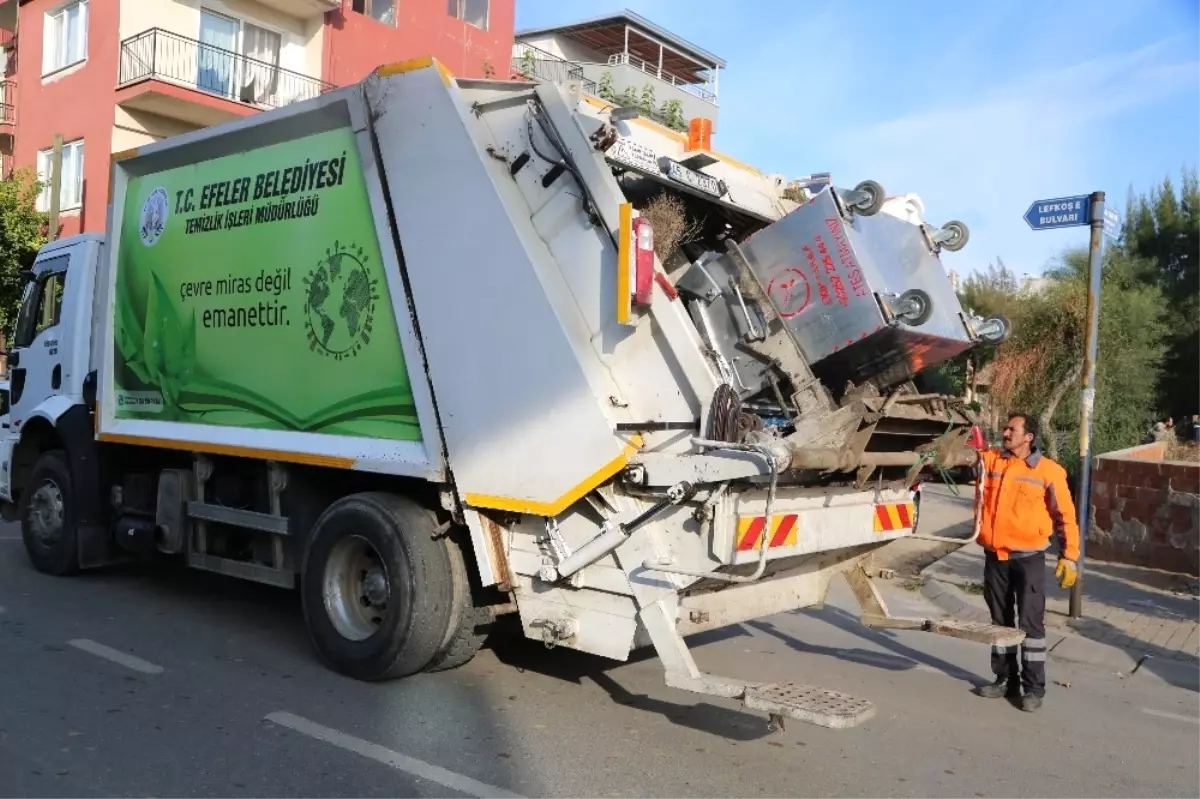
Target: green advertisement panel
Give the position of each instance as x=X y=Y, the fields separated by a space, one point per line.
x=250 y=292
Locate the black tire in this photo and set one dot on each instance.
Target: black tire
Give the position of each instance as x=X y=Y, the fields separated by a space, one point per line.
x=872 y=206
x=958 y=238
x=916 y=510
x=50 y=554
x=925 y=307
x=411 y=624
x=469 y=626
x=1005 y=330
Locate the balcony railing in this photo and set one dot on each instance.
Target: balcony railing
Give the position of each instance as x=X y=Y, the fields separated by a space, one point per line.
x=533 y=62
x=168 y=57
x=8 y=102
x=652 y=69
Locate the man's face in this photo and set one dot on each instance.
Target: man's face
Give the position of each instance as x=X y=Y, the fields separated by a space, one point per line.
x=1014 y=434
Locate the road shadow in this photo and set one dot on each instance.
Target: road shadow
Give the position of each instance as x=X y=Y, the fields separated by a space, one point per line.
x=523 y=654
x=904 y=657
x=1169 y=664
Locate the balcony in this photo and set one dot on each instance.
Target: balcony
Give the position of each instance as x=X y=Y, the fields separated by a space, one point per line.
x=163 y=73
x=646 y=68
x=537 y=64
x=631 y=61
x=8 y=115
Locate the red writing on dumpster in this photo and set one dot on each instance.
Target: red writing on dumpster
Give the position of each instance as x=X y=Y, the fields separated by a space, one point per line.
x=846 y=256
x=839 y=287
x=822 y=289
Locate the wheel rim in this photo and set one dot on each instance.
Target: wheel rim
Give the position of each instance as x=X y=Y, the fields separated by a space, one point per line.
x=46 y=514
x=356 y=588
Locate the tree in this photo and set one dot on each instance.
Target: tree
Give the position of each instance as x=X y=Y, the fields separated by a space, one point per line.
x=1040 y=366
x=646 y=104
x=22 y=233
x=1162 y=229
x=671 y=114
x=606 y=91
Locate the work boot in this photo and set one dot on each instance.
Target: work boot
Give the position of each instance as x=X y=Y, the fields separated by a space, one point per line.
x=1003 y=686
x=1031 y=703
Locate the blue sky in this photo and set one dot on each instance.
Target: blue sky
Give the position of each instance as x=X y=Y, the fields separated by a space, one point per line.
x=980 y=108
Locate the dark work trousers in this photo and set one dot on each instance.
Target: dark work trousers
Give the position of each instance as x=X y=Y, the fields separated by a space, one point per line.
x=1015 y=590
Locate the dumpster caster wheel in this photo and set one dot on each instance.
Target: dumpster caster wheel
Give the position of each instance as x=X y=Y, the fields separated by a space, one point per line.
x=867 y=198
x=995 y=329
x=914 y=307
x=776 y=723
x=954 y=236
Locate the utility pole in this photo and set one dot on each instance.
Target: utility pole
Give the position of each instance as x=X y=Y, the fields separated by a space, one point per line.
x=1077 y=211
x=55 y=184
x=1087 y=396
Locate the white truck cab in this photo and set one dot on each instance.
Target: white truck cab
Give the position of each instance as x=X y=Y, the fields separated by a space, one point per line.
x=49 y=367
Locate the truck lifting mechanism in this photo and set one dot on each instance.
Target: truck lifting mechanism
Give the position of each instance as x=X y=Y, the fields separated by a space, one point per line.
x=435 y=350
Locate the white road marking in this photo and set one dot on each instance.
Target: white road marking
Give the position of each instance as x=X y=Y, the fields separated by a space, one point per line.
x=380 y=754
x=1165 y=715
x=115 y=655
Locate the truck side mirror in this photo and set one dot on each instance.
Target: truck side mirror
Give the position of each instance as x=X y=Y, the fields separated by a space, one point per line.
x=26 y=275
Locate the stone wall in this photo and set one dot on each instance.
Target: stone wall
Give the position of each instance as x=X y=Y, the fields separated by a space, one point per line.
x=1145 y=511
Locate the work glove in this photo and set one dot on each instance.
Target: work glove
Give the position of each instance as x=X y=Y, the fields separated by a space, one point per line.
x=1066 y=573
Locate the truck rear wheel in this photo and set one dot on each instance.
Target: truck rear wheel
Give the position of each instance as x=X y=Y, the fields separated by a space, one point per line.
x=48 y=516
x=377 y=588
x=469 y=624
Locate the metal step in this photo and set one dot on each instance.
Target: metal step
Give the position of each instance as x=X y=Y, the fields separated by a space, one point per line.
x=808 y=703
x=979 y=632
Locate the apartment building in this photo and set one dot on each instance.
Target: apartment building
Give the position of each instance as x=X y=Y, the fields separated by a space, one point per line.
x=626 y=59
x=109 y=75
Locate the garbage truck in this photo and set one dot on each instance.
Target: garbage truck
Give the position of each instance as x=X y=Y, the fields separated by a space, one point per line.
x=411 y=348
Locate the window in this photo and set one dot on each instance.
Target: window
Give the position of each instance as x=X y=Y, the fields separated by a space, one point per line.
x=70 y=194
x=42 y=308
x=472 y=12
x=379 y=10
x=65 y=37
x=238 y=59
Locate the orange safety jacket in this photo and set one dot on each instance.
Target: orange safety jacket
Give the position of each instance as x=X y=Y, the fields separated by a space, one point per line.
x=1021 y=503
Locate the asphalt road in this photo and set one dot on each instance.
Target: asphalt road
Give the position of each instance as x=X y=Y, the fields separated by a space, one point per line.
x=165 y=682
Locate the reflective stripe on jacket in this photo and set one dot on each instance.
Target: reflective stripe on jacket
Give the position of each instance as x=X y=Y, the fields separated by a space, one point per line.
x=1021 y=503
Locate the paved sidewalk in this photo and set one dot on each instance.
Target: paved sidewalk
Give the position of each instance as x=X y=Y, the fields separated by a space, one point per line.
x=1134 y=619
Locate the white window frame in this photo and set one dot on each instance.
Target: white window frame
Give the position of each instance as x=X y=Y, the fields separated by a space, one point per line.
x=461 y=16
x=240 y=46
x=70 y=193
x=56 y=48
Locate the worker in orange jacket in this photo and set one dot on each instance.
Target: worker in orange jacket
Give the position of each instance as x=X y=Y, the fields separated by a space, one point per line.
x=1021 y=502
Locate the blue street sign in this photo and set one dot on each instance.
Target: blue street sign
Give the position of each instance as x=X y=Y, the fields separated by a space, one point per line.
x=1112 y=222
x=1061 y=212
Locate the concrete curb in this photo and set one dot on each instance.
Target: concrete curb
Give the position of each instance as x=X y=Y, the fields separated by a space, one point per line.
x=947 y=597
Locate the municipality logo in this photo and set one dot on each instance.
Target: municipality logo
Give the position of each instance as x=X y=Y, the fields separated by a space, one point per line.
x=154 y=217
x=340 y=302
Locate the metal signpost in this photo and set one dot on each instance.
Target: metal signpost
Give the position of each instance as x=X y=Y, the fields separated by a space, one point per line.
x=1084 y=209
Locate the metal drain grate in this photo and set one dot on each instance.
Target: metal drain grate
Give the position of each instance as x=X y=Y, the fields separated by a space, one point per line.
x=809 y=703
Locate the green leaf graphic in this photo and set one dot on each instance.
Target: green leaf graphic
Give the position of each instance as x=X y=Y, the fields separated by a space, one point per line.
x=158 y=314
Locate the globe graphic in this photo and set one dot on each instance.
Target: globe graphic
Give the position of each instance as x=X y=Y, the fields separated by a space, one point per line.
x=339 y=299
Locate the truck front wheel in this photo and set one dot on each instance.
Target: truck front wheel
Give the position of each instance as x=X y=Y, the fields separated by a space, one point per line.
x=48 y=516
x=377 y=588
